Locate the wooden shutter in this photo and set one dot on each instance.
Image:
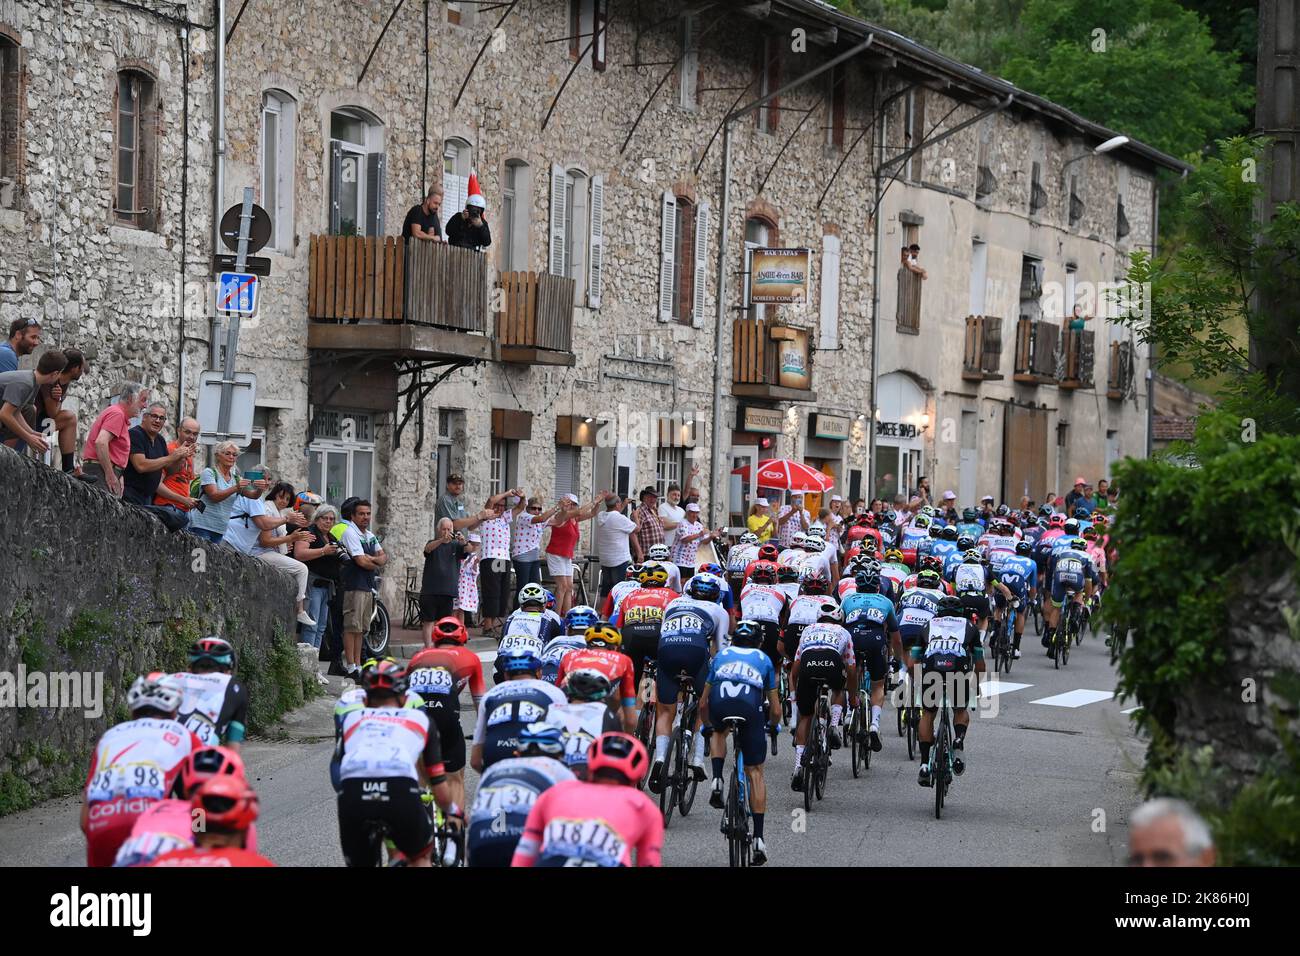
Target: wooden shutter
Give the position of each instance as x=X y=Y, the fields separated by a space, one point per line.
x=336 y=174
x=667 y=247
x=375 y=168
x=830 y=293
x=557 y=220
x=567 y=459
x=596 y=254
x=600 y=30
x=701 y=263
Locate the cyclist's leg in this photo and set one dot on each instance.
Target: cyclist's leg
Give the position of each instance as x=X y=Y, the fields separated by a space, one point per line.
x=358 y=835
x=409 y=825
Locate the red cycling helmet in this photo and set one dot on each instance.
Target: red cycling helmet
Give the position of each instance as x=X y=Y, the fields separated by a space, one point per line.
x=385 y=676
x=765 y=572
x=227 y=803
x=1057 y=520
x=209 y=762
x=619 y=752
x=768 y=552
x=450 y=629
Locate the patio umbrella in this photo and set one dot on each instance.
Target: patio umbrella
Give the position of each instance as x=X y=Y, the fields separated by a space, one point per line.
x=792 y=476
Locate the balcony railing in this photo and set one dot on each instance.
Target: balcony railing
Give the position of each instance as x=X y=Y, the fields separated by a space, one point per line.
x=982 y=358
x=1077 y=359
x=1120 y=379
x=1036 y=348
x=770 y=361
x=535 y=324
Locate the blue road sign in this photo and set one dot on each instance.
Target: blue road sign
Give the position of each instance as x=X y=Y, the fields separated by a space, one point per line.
x=237 y=292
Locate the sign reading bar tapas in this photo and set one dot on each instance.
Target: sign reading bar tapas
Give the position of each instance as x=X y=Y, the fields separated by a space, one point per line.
x=766 y=421
x=896 y=429
x=779 y=275
x=830 y=426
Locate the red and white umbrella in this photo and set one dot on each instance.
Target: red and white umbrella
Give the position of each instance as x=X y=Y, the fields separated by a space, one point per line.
x=790 y=475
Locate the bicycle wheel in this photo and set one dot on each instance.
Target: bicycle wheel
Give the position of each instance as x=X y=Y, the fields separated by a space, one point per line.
x=731 y=821
x=689 y=785
x=824 y=753
x=855 y=730
x=911 y=732
x=668 y=795
x=810 y=759
x=939 y=766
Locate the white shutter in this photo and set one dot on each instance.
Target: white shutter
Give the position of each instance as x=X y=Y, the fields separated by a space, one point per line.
x=567 y=460
x=557 y=221
x=701 y=263
x=456 y=191
x=830 y=293
x=667 y=247
x=596 y=255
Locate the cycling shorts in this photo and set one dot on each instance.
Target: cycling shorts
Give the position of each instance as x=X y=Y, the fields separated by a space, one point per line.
x=958 y=677
x=108 y=826
x=497 y=852
x=1059 y=589
x=443 y=712
x=675 y=658
x=823 y=665
x=792 y=634
x=753 y=742
x=387 y=806
x=977 y=604
x=871 y=651
x=639 y=642
x=771 y=638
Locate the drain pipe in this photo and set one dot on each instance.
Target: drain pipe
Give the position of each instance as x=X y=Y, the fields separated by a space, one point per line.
x=218 y=156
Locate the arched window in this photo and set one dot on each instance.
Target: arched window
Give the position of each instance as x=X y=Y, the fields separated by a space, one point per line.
x=356 y=173
x=136 y=139
x=279 y=136
x=10 y=121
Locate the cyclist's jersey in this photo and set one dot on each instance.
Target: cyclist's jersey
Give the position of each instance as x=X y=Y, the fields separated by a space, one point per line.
x=555 y=652
x=947 y=638
x=591 y=824
x=1097 y=555
x=950 y=565
x=214 y=707
x=615 y=665
x=674 y=574
x=805 y=608
x=694 y=623
x=1032 y=534
x=167 y=825
x=895 y=572
x=1018 y=573
x=740 y=557
x=1070 y=569
x=620 y=590
x=747 y=670
x=888 y=534
x=1043 y=547
x=916 y=608
x=825 y=636
x=464 y=664
x=380 y=742
x=872 y=613
x=990 y=544
x=943 y=547
x=506 y=792
x=791 y=557
x=1059 y=544
x=211 y=856
x=354 y=699
x=643 y=609
x=139 y=759
x=583 y=723
x=558 y=622
x=910 y=583
x=527 y=630
x=818 y=562
x=970 y=577
x=925 y=547
x=846 y=586
x=762 y=602
x=430 y=683
x=913 y=536
x=789 y=588
x=972 y=528
x=507 y=709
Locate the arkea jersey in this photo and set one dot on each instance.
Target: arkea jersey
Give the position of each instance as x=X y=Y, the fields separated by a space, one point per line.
x=382 y=742
x=214 y=707
x=762 y=602
x=694 y=622
x=507 y=709
x=826 y=635
x=583 y=723
x=506 y=792
x=139 y=758
x=465 y=666
x=1070 y=569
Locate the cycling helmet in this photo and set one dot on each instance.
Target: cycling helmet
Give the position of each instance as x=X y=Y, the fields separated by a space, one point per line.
x=603 y=635
x=1043 y=523
x=519 y=661
x=815 y=544
x=214 y=649
x=749 y=538
x=532 y=594
x=387 y=675
x=1089 y=534
x=868 y=582
x=928 y=511
x=550 y=601
x=225 y=803
x=921 y=521
x=308 y=498
x=928 y=579
x=965 y=543
x=1071 y=527
x=633 y=571
x=972 y=555
x=652 y=576
x=159 y=691
x=1081 y=513
x=204 y=764
x=815 y=583
x=872 y=567
x=1057 y=520
x=619 y=752
x=747 y=634
x=768 y=552
x=704 y=588
x=787 y=575
x=1078 y=544
x=1024 y=548
x=764 y=573
x=450 y=629
x=658 y=552
x=828 y=610
x=1099 y=518
x=970 y=514
x=1044 y=511
x=799 y=540
x=931 y=562
x=580 y=618
x=586 y=686
x=894 y=556
x=950 y=606
x=712 y=568
x=891 y=515
x=542 y=738
x=1002 y=511
x=935 y=530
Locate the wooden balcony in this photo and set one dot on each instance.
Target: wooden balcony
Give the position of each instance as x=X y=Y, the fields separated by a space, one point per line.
x=1121 y=376
x=771 y=362
x=982 y=358
x=1077 y=352
x=371 y=294
x=535 y=325
x=1036 y=352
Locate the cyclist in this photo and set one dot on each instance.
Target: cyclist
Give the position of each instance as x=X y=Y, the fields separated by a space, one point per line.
x=742 y=683
x=553 y=615
x=509 y=788
x=1070 y=569
x=354 y=699
x=228 y=806
x=918 y=605
x=787 y=581
x=818 y=560
x=728 y=600
x=871 y=621
x=767 y=552
x=693 y=625
x=970 y=525
x=660 y=555
x=952 y=561
x=585 y=717
x=600 y=822
x=621 y=590
x=824 y=656
x=763 y=601
x=914 y=533
x=576 y=623
x=214 y=704
x=739 y=557
x=792 y=556
x=134 y=765
x=522 y=699
x=385 y=752
x=640 y=614
x=602 y=654
x=928 y=563
x=888 y=530
x=894 y=569
x=527 y=628
x=948 y=644
x=973 y=584
x=1016 y=578
x=803 y=611
x=947 y=543
x=999 y=537
x=435 y=686
x=1096 y=551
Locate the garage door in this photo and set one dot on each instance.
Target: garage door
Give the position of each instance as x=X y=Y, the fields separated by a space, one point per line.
x=1024 y=454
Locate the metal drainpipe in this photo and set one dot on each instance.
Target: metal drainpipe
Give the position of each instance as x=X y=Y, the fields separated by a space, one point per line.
x=218 y=153
x=1151 y=346
x=715 y=442
x=875 y=301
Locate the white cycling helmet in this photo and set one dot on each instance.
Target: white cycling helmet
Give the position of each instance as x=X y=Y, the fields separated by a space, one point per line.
x=157 y=690
x=817 y=531
x=532 y=594
x=814 y=544
x=799 y=540
x=749 y=538
x=658 y=552
x=828 y=610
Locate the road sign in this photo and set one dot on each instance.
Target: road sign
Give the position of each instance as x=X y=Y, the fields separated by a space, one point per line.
x=237 y=292
x=259 y=228
x=258 y=265
x=243 y=396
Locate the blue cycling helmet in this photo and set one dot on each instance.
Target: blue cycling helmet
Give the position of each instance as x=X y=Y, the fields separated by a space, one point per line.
x=704 y=588
x=542 y=738
x=214 y=649
x=519 y=661
x=580 y=618
x=550 y=601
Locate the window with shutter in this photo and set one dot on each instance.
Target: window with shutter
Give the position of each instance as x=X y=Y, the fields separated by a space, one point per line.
x=568 y=463
x=10 y=121
x=667 y=253
x=375 y=165
x=683 y=261
x=279 y=122
x=596 y=258
x=559 y=241
x=701 y=263
x=830 y=293
x=356 y=172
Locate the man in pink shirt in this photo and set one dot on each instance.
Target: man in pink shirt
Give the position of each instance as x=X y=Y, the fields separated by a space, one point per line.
x=108 y=445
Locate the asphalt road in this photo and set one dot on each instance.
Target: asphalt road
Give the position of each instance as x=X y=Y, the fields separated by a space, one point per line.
x=1046 y=784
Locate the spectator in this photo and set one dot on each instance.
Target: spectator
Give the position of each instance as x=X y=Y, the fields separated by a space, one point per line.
x=468 y=228
x=1085 y=500
x=467 y=584
x=1112 y=496
x=562 y=543
x=672 y=511
x=762 y=519
x=422 y=220
x=1099 y=499
x=24 y=339
x=910 y=255
x=792 y=520
x=690 y=536
x=18 y=390
x=1078 y=319
x=650 y=530
x=451 y=505
x=494 y=564
x=358 y=579
x=108 y=445
x=526 y=541
x=1074 y=495
x=253 y=530
x=443 y=555
x=174 y=490
x=877 y=506
x=1166 y=832
x=835 y=521
x=948 y=509
x=613 y=541
x=49 y=404
x=923 y=490
x=320 y=553
x=145 y=465
x=219 y=485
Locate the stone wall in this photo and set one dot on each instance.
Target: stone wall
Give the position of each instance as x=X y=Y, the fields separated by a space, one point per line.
x=93 y=586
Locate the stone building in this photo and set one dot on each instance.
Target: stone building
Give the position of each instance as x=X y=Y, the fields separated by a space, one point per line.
x=580 y=350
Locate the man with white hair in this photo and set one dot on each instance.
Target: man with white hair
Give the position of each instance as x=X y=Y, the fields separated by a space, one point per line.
x=108 y=445
x=1168 y=832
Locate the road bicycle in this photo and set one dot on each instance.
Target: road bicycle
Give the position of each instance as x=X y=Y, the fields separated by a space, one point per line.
x=1002 y=638
x=909 y=712
x=860 y=732
x=645 y=722
x=783 y=692
x=679 y=783
x=817 y=755
x=943 y=763
x=1067 y=631
x=448 y=841
x=736 y=812
x=1036 y=611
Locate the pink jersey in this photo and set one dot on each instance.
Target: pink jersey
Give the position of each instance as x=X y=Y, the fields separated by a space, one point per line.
x=1098 y=554
x=576 y=823
x=167 y=825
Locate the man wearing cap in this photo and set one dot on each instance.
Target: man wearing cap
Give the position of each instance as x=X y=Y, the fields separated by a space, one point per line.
x=1075 y=495
x=451 y=506
x=949 y=507
x=468 y=228
x=690 y=535
x=650 y=529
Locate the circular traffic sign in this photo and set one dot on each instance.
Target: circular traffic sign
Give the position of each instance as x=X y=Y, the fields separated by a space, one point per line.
x=259 y=229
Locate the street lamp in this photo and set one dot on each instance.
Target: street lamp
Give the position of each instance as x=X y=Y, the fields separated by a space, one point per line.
x=1115 y=142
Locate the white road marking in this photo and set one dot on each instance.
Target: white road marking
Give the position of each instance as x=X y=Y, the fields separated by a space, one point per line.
x=991 y=688
x=1130 y=710
x=1075 y=698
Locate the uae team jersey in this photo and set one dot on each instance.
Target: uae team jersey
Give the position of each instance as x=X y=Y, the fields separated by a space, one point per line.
x=381 y=742
x=762 y=602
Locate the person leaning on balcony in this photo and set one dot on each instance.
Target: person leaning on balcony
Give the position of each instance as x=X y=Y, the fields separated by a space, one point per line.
x=422 y=220
x=1077 y=319
x=468 y=228
x=910 y=255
